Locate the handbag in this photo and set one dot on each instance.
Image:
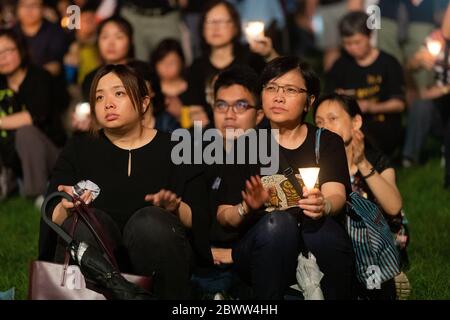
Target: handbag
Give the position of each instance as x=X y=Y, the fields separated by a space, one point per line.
x=53 y=281
x=376 y=254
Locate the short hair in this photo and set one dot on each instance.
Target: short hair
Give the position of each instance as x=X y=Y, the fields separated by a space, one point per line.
x=234 y=15
x=239 y=75
x=134 y=85
x=353 y=23
x=282 y=65
x=349 y=104
x=124 y=26
x=165 y=47
x=19 y=42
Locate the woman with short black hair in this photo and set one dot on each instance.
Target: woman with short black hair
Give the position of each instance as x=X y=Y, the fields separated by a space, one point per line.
x=279 y=222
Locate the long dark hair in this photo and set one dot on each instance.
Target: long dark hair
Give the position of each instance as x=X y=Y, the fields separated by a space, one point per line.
x=124 y=26
x=20 y=44
x=234 y=15
x=165 y=47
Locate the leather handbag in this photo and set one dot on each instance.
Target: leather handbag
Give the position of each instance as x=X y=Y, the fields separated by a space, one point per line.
x=53 y=281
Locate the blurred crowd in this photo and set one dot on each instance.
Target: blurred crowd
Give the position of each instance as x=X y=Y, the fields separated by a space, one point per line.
x=390 y=56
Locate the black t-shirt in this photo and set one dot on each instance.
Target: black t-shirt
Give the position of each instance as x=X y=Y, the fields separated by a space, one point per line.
x=49 y=44
x=147 y=4
x=380 y=81
x=332 y=163
x=380 y=162
x=35 y=95
x=201 y=74
x=97 y=159
x=424 y=12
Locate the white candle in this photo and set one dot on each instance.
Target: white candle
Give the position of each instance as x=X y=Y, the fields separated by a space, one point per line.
x=254 y=30
x=82 y=110
x=309 y=176
x=434 y=47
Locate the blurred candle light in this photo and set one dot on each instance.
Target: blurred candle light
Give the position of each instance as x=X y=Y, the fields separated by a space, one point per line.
x=254 y=30
x=309 y=176
x=82 y=110
x=434 y=47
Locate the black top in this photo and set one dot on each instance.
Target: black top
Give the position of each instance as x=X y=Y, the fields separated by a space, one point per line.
x=380 y=81
x=332 y=163
x=146 y=4
x=380 y=162
x=36 y=96
x=86 y=157
x=202 y=73
x=424 y=12
x=48 y=44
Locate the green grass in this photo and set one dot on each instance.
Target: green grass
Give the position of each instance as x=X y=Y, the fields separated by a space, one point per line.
x=19 y=231
x=427 y=207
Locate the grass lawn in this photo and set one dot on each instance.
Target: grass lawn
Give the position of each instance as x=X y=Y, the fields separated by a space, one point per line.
x=427 y=207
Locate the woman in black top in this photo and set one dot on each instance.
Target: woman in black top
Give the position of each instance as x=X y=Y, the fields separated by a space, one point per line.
x=266 y=255
x=371 y=173
x=220 y=29
x=132 y=166
x=29 y=126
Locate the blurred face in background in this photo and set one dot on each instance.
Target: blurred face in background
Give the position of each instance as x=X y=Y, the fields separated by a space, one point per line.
x=88 y=26
x=357 y=45
x=113 y=44
x=9 y=56
x=30 y=12
x=331 y=115
x=219 y=29
x=169 y=67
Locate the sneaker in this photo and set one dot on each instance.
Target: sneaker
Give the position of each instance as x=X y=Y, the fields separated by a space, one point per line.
x=8 y=182
x=402 y=286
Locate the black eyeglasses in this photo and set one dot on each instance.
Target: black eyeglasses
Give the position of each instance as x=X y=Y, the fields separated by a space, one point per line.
x=288 y=90
x=239 y=106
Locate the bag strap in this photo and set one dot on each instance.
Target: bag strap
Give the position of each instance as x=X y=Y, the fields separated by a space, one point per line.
x=91 y=221
x=86 y=215
x=288 y=172
x=317 y=145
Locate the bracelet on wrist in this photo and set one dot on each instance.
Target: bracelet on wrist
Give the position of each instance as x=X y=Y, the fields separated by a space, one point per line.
x=371 y=173
x=241 y=210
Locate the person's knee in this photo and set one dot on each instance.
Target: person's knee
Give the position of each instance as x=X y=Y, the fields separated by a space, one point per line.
x=26 y=134
x=153 y=225
x=279 y=229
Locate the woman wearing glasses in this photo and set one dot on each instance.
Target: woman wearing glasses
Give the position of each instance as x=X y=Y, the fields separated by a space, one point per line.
x=278 y=222
x=221 y=35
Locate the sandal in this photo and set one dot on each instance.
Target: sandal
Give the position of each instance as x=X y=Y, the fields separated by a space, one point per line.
x=402 y=286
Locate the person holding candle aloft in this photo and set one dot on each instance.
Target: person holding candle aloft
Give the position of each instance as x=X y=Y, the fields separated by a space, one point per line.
x=267 y=210
x=220 y=28
x=371 y=174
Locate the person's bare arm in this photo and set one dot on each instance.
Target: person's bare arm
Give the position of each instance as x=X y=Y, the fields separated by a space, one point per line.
x=446 y=23
x=355 y=5
x=16 y=120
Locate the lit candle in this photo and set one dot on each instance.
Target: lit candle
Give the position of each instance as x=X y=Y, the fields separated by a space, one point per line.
x=254 y=30
x=434 y=47
x=309 y=176
x=82 y=110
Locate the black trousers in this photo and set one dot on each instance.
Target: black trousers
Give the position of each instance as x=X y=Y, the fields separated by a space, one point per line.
x=443 y=105
x=266 y=257
x=153 y=240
